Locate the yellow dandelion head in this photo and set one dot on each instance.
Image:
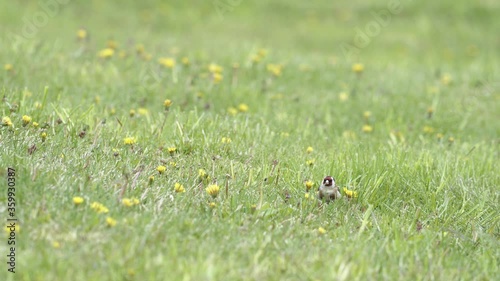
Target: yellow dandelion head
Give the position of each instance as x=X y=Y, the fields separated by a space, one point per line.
x=274 y=69
x=310 y=162
x=110 y=221
x=343 y=96
x=179 y=188
x=167 y=62
x=139 y=49
x=8 y=67
x=232 y=111
x=446 y=79
x=143 y=111
x=367 y=114
x=172 y=149
x=35 y=124
x=428 y=129
x=129 y=141
x=306 y=195
x=127 y=202
x=43 y=135
x=215 y=68
x=81 y=33
x=167 y=103
x=202 y=174
x=309 y=149
x=161 y=169
x=226 y=140
x=217 y=77
x=99 y=208
x=243 y=107
x=358 y=67
x=439 y=136
x=173 y=164
x=56 y=245
x=6 y=121
x=367 y=129
x=131 y=113
x=106 y=53
x=350 y=193
x=212 y=205
x=309 y=185
x=321 y=230
x=77 y=200
x=213 y=190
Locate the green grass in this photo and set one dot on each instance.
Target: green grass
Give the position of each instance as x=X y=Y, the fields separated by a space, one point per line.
x=428 y=183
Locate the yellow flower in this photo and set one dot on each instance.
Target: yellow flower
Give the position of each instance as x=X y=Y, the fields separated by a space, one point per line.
x=35 y=124
x=213 y=190
x=16 y=228
x=215 y=68
x=167 y=103
x=232 y=111
x=78 y=200
x=129 y=141
x=172 y=164
x=428 y=130
x=56 y=245
x=439 y=136
x=43 y=135
x=262 y=52
x=358 y=67
x=306 y=195
x=6 y=121
x=131 y=113
x=446 y=79
x=226 y=140
x=274 y=69
x=350 y=193
x=167 y=62
x=243 y=107
x=451 y=139
x=217 y=77
x=99 y=208
x=310 y=162
x=38 y=105
x=367 y=129
x=139 y=49
x=343 y=96
x=348 y=134
x=309 y=149
x=151 y=179
x=8 y=67
x=367 y=114
x=185 y=61
x=256 y=58
x=135 y=201
x=81 y=33
x=309 y=185
x=202 y=174
x=106 y=53
x=142 y=111
x=110 y=221
x=172 y=149
x=127 y=202
x=321 y=230
x=179 y=188
x=212 y=205
x=161 y=169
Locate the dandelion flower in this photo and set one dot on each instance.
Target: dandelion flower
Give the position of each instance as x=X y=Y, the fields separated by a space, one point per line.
x=212 y=205
x=215 y=68
x=35 y=124
x=310 y=162
x=139 y=49
x=202 y=174
x=8 y=67
x=172 y=149
x=309 y=149
x=350 y=193
x=77 y=200
x=213 y=190
x=367 y=129
x=127 y=202
x=106 y=53
x=179 y=188
x=358 y=67
x=167 y=62
x=38 y=105
x=56 y=245
x=167 y=103
x=439 y=136
x=243 y=107
x=274 y=69
x=131 y=113
x=217 y=77
x=99 y=208
x=343 y=96
x=232 y=111
x=110 y=221
x=428 y=129
x=151 y=179
x=451 y=139
x=306 y=195
x=142 y=111
x=135 y=201
x=43 y=135
x=367 y=114
x=6 y=121
x=81 y=34
x=321 y=230
x=309 y=185
x=161 y=169
x=226 y=140
x=446 y=79
x=172 y=164
x=129 y=141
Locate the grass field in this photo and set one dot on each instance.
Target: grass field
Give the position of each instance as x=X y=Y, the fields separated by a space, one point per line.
x=174 y=140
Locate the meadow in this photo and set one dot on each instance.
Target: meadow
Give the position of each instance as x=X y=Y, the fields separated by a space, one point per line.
x=186 y=140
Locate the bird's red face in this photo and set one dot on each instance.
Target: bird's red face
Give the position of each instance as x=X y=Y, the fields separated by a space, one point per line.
x=328 y=181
